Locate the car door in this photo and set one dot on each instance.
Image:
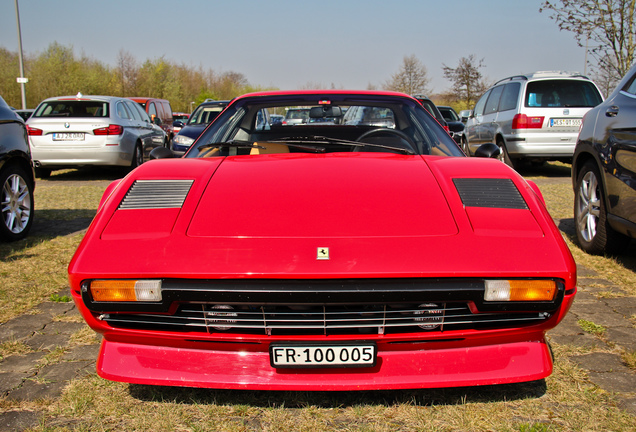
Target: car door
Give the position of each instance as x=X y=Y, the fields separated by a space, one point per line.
x=489 y=125
x=474 y=123
x=619 y=148
x=148 y=136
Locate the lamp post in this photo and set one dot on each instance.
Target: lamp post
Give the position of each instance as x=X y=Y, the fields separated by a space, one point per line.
x=21 y=79
x=191 y=103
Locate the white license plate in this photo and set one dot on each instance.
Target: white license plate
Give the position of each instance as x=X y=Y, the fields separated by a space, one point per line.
x=68 y=136
x=322 y=356
x=560 y=122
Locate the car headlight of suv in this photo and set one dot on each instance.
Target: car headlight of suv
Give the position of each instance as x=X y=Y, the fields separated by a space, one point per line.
x=183 y=140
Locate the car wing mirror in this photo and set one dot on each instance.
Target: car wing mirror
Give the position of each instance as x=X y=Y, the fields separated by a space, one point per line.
x=161 y=153
x=488 y=150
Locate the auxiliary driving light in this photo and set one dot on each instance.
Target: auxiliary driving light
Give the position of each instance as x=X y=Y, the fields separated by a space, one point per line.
x=126 y=290
x=520 y=290
x=221 y=315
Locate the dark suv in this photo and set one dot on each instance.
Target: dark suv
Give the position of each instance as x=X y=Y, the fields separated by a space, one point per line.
x=17 y=180
x=604 y=172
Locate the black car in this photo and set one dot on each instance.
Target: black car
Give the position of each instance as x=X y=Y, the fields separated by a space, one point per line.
x=432 y=109
x=455 y=126
x=17 y=180
x=604 y=172
x=198 y=121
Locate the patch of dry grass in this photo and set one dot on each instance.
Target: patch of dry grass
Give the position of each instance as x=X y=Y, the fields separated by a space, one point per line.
x=565 y=401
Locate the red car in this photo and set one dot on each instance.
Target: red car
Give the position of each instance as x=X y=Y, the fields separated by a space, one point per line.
x=323 y=256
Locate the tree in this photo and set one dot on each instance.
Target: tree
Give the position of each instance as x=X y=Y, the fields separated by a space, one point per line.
x=412 y=78
x=467 y=83
x=609 y=25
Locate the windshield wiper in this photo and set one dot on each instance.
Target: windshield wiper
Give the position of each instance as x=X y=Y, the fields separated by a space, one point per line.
x=319 y=139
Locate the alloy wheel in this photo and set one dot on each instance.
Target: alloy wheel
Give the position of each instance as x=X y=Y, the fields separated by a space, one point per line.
x=16 y=204
x=588 y=206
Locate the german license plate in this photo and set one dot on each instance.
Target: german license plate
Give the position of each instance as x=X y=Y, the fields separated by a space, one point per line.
x=560 y=122
x=68 y=136
x=291 y=355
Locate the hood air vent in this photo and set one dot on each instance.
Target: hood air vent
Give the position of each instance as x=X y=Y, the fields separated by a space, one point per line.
x=491 y=193
x=156 y=194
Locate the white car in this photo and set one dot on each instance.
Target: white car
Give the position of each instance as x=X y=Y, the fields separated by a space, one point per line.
x=73 y=131
x=534 y=117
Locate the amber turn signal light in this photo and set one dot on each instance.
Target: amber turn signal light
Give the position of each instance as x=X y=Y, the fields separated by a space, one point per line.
x=520 y=290
x=107 y=290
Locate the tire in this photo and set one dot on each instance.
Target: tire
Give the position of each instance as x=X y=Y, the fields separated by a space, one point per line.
x=138 y=157
x=593 y=232
x=503 y=155
x=16 y=201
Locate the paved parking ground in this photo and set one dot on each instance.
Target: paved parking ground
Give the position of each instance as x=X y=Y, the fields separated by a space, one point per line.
x=48 y=328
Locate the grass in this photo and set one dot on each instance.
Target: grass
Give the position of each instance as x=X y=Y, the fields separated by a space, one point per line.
x=34 y=270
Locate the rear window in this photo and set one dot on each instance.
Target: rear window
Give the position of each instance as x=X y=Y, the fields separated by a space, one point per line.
x=561 y=94
x=72 y=109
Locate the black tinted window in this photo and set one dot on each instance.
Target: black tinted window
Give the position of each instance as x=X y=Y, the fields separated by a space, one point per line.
x=481 y=103
x=562 y=93
x=493 y=100
x=73 y=109
x=509 y=96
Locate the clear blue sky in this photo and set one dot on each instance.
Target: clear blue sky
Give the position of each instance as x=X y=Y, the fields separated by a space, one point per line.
x=291 y=43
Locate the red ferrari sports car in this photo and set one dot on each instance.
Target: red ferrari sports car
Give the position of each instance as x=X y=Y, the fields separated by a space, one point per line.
x=361 y=250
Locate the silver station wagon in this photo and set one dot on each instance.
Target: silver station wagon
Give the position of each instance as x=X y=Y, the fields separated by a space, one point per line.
x=534 y=117
x=75 y=131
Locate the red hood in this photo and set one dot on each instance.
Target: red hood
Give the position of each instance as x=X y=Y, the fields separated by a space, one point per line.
x=324 y=196
x=380 y=215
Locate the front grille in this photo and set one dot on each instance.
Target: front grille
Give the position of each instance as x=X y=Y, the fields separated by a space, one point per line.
x=255 y=319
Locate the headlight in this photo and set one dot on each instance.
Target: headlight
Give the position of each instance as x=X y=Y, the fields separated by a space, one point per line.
x=126 y=290
x=183 y=140
x=520 y=290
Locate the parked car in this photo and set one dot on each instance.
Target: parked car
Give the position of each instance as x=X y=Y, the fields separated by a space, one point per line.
x=74 y=131
x=604 y=172
x=17 y=181
x=533 y=117
x=296 y=116
x=323 y=257
x=276 y=119
x=433 y=109
x=160 y=113
x=455 y=126
x=180 y=119
x=198 y=121
x=24 y=113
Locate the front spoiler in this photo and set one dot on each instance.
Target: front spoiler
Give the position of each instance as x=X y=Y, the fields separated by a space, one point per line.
x=409 y=369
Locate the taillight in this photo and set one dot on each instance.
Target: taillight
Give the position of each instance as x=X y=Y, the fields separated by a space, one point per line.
x=446 y=128
x=522 y=121
x=110 y=130
x=33 y=131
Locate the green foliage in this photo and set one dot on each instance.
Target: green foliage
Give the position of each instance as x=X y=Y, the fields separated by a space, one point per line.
x=60 y=299
x=58 y=71
x=591 y=327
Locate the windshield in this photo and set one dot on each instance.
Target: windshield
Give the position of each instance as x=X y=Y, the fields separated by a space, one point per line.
x=335 y=123
x=205 y=114
x=561 y=93
x=72 y=108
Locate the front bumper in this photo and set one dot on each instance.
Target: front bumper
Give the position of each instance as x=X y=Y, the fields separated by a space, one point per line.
x=416 y=366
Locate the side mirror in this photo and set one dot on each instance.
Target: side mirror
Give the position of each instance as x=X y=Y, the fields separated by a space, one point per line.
x=488 y=150
x=465 y=115
x=177 y=123
x=161 y=153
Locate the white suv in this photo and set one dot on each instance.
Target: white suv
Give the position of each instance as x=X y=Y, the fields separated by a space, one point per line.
x=533 y=117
